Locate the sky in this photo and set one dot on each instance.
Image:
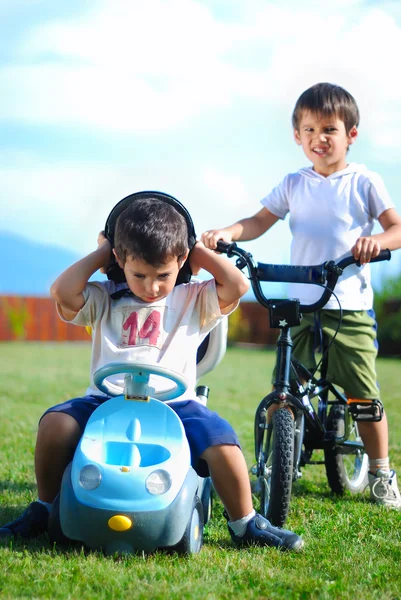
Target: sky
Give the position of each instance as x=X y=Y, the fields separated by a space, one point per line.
x=103 y=98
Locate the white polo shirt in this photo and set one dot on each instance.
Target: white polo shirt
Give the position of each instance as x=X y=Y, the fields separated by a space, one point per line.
x=327 y=216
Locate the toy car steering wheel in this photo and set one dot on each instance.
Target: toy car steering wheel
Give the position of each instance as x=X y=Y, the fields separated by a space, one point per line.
x=137 y=381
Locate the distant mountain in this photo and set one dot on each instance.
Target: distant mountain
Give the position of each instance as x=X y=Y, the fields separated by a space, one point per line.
x=28 y=268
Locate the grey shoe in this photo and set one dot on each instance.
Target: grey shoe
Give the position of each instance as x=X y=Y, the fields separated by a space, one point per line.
x=260 y=532
x=384 y=489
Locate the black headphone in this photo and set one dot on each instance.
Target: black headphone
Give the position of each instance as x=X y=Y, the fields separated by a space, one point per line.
x=114 y=272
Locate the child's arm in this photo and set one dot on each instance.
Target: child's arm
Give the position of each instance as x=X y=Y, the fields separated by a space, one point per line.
x=366 y=248
x=230 y=281
x=244 y=230
x=68 y=288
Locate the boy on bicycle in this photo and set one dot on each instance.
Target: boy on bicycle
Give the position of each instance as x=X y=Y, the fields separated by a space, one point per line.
x=332 y=206
x=151 y=321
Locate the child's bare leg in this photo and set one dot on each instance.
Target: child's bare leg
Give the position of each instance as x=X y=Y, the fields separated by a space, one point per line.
x=57 y=438
x=375 y=437
x=230 y=478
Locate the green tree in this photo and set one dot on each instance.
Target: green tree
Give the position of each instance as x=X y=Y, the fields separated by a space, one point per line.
x=17 y=317
x=388 y=313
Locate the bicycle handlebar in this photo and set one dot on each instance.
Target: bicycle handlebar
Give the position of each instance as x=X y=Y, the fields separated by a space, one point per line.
x=326 y=274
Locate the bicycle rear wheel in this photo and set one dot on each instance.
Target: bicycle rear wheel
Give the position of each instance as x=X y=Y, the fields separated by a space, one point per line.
x=346 y=468
x=274 y=445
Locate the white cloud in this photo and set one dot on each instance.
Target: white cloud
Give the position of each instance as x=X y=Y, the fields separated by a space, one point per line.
x=132 y=67
x=136 y=67
x=68 y=205
x=150 y=66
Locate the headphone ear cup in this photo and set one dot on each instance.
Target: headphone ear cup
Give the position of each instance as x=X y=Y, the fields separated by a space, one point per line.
x=185 y=274
x=114 y=271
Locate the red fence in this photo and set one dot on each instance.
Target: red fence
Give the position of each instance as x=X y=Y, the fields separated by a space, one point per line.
x=250 y=324
x=36 y=319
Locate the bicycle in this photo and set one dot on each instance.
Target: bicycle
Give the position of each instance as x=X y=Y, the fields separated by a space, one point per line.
x=286 y=437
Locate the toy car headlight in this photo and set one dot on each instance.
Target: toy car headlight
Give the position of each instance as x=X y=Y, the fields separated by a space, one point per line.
x=90 y=477
x=158 y=482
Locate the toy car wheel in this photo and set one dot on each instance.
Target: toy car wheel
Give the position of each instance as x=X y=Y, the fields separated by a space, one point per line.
x=192 y=540
x=55 y=532
x=207 y=500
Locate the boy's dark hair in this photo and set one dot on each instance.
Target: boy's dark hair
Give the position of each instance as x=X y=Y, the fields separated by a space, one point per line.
x=327 y=99
x=151 y=230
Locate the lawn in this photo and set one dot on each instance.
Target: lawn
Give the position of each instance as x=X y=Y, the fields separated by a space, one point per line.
x=352 y=548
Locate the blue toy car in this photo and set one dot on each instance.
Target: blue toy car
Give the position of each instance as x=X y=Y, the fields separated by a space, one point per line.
x=130 y=485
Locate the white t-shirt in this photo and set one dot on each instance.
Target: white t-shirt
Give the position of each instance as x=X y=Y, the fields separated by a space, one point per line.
x=327 y=216
x=166 y=333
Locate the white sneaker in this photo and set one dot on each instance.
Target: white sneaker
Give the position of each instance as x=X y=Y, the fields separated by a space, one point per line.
x=384 y=489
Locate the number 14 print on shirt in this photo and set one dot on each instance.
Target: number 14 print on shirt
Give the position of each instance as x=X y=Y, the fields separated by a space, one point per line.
x=142 y=328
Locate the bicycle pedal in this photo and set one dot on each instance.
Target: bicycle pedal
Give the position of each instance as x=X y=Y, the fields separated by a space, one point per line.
x=365 y=410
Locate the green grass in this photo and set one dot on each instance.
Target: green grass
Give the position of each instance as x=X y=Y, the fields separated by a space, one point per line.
x=352 y=548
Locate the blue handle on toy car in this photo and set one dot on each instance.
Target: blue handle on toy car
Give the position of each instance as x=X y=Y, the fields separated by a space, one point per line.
x=136 y=384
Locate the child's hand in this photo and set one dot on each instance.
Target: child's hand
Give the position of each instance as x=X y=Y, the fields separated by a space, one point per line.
x=365 y=249
x=101 y=239
x=211 y=237
x=103 y=244
x=231 y=283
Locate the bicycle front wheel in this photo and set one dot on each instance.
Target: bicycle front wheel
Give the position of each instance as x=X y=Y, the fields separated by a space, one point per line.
x=275 y=454
x=346 y=467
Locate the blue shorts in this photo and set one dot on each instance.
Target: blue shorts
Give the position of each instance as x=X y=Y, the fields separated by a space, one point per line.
x=203 y=427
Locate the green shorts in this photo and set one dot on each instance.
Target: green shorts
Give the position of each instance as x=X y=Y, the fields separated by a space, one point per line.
x=352 y=356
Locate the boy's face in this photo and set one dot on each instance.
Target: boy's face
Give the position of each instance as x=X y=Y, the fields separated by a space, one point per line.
x=150 y=283
x=324 y=141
